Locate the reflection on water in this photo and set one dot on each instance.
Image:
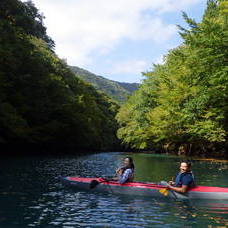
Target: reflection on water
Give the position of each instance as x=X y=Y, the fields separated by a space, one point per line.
x=31 y=195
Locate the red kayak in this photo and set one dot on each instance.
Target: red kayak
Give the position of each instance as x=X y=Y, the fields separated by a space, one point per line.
x=144 y=189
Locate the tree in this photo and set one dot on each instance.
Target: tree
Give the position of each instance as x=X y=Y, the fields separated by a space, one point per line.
x=42 y=102
x=188 y=91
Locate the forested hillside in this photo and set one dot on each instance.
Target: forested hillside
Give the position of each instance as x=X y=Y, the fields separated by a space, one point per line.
x=42 y=103
x=119 y=91
x=182 y=105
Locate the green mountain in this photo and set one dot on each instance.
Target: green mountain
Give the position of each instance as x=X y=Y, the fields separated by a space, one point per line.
x=119 y=91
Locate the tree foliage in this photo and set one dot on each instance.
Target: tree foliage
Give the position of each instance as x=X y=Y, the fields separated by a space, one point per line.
x=41 y=100
x=118 y=91
x=184 y=100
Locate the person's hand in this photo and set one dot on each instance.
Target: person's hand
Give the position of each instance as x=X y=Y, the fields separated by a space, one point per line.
x=171 y=183
x=118 y=170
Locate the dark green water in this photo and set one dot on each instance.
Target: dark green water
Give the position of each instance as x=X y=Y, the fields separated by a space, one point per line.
x=31 y=195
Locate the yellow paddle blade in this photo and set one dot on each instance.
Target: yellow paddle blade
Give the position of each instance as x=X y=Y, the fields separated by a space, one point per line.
x=164 y=191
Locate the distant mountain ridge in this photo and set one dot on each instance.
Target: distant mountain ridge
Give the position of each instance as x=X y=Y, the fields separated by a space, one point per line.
x=119 y=91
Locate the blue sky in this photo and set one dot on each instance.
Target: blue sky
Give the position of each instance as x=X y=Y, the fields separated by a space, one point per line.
x=116 y=39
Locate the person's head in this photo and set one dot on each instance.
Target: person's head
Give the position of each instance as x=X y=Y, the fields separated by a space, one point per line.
x=128 y=162
x=185 y=166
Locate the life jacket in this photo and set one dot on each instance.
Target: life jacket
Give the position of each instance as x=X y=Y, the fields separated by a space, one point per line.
x=179 y=178
x=131 y=178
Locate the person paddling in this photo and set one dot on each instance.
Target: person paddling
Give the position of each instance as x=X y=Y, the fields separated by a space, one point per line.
x=184 y=179
x=126 y=173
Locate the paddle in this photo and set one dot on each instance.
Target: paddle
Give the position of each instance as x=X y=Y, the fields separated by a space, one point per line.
x=164 y=191
x=94 y=183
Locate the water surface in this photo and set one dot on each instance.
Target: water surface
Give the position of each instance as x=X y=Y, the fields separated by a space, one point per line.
x=31 y=195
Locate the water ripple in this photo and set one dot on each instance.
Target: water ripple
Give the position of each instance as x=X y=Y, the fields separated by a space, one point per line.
x=33 y=197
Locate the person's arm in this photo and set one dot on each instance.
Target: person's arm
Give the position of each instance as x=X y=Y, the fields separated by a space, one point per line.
x=119 y=171
x=125 y=176
x=185 y=184
x=118 y=174
x=115 y=178
x=182 y=189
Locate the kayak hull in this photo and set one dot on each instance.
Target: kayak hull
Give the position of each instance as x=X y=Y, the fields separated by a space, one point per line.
x=143 y=189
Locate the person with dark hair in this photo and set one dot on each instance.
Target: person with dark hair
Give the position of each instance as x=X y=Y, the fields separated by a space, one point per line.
x=126 y=173
x=184 y=179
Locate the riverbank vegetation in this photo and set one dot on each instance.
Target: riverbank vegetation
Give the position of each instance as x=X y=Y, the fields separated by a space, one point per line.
x=42 y=103
x=182 y=104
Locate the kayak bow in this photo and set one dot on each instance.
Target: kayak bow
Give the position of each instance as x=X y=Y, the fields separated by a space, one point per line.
x=144 y=189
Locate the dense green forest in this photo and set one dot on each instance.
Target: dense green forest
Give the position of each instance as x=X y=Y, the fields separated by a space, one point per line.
x=42 y=103
x=119 y=91
x=182 y=105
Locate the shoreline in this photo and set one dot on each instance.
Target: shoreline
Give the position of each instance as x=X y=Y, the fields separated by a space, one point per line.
x=46 y=151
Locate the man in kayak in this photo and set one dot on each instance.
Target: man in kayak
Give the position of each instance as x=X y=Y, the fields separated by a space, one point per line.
x=184 y=179
x=126 y=173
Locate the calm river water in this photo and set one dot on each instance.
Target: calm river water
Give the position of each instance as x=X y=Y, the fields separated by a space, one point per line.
x=31 y=195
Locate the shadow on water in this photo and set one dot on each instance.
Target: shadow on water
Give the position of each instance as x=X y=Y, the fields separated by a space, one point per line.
x=31 y=195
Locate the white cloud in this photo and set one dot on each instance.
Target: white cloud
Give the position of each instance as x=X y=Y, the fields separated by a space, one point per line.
x=81 y=27
x=177 y=5
x=129 y=67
